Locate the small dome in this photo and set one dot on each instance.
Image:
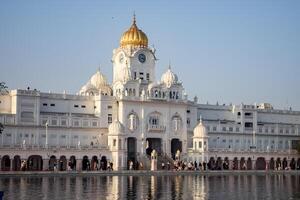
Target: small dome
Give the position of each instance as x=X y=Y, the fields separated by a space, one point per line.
x=169 y=78
x=116 y=128
x=134 y=37
x=98 y=80
x=200 y=130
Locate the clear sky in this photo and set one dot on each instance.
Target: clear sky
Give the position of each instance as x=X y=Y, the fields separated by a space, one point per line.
x=225 y=51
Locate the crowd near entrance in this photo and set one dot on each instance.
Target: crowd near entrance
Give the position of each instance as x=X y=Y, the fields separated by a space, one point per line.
x=86 y=163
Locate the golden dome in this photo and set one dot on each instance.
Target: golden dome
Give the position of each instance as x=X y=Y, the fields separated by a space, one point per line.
x=134 y=36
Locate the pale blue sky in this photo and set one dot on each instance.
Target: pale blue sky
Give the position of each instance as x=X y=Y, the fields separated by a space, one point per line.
x=225 y=51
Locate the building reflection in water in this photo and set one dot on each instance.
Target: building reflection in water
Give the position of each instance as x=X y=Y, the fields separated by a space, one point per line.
x=278 y=186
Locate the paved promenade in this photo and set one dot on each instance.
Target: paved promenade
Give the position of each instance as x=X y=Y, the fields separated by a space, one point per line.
x=144 y=173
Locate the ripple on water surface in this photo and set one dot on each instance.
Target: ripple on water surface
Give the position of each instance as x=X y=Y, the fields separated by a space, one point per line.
x=277 y=186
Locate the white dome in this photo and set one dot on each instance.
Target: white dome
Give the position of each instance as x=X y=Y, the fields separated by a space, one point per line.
x=116 y=128
x=86 y=87
x=169 y=78
x=98 y=80
x=200 y=130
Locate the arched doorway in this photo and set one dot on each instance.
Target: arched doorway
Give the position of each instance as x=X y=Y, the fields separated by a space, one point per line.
x=94 y=163
x=153 y=143
x=219 y=163
x=293 y=164
x=35 y=163
x=5 y=163
x=16 y=163
x=235 y=164
x=249 y=164
x=176 y=144
x=72 y=163
x=131 y=150
x=85 y=163
x=103 y=163
x=284 y=163
x=211 y=163
x=243 y=165
x=260 y=163
x=226 y=163
x=62 y=163
x=272 y=164
x=278 y=164
x=52 y=163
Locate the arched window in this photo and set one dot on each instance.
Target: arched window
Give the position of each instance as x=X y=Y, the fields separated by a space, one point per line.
x=130 y=92
x=176 y=123
x=132 y=121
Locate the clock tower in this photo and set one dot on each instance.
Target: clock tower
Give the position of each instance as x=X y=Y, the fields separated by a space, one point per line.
x=133 y=61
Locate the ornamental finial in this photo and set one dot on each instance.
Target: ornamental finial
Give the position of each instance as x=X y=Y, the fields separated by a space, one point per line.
x=134 y=18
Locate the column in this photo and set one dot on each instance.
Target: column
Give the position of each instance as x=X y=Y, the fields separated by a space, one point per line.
x=45 y=164
x=78 y=164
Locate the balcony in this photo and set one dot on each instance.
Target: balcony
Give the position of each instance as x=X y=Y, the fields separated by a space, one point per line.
x=156 y=128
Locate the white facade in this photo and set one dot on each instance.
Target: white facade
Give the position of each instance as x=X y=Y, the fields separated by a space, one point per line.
x=150 y=114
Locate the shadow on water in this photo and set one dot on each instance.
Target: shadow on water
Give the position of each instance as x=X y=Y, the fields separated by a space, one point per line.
x=276 y=186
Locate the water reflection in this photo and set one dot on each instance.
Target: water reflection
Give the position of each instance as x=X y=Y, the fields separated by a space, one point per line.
x=276 y=186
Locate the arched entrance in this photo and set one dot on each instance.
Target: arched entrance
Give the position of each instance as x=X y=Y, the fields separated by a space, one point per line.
x=103 y=163
x=16 y=166
x=278 y=164
x=131 y=150
x=94 y=163
x=249 y=164
x=235 y=164
x=284 y=163
x=62 y=163
x=85 y=163
x=72 y=163
x=243 y=165
x=260 y=163
x=226 y=163
x=211 y=163
x=272 y=164
x=153 y=143
x=35 y=163
x=293 y=164
x=219 y=163
x=52 y=163
x=176 y=144
x=5 y=163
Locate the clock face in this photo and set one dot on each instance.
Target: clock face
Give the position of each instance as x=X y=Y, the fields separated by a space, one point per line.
x=142 y=58
x=121 y=58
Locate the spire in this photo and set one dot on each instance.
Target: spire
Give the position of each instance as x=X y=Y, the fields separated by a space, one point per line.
x=200 y=119
x=99 y=68
x=169 y=67
x=134 y=18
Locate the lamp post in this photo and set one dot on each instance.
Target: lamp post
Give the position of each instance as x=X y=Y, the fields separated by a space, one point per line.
x=46 y=143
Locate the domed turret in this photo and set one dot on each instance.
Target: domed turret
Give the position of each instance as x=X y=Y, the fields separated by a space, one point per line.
x=116 y=128
x=200 y=130
x=169 y=78
x=134 y=37
x=95 y=85
x=98 y=80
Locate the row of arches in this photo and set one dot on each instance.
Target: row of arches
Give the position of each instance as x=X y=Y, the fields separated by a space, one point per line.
x=248 y=164
x=36 y=163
